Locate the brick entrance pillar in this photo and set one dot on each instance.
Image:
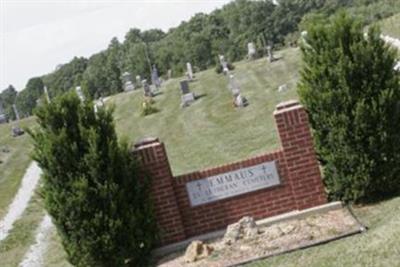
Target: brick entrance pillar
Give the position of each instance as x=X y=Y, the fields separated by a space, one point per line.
x=298 y=147
x=154 y=162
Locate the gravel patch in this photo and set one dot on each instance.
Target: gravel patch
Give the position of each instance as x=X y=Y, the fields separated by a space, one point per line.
x=273 y=239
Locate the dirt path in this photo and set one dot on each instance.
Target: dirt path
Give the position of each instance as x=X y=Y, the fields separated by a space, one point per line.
x=21 y=199
x=34 y=256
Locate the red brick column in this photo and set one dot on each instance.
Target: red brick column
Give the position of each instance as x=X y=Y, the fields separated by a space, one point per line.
x=154 y=162
x=297 y=144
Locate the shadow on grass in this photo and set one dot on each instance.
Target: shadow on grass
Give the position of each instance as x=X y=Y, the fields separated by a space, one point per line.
x=200 y=96
x=158 y=93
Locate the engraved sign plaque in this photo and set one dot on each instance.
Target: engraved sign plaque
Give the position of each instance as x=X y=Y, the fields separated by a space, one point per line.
x=232 y=183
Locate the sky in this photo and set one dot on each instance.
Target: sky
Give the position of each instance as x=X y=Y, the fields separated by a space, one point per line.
x=38 y=35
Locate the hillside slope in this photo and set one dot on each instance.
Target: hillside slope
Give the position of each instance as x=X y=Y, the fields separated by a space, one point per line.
x=211 y=131
x=391 y=26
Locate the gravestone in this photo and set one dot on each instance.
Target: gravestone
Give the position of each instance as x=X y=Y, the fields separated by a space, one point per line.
x=251 y=50
x=16 y=131
x=189 y=71
x=270 y=53
x=187 y=97
x=303 y=39
x=127 y=81
x=3 y=116
x=169 y=74
x=15 y=112
x=233 y=85
x=78 y=90
x=98 y=104
x=224 y=64
x=155 y=80
x=1 y=107
x=282 y=88
x=138 y=81
x=146 y=89
x=397 y=66
x=46 y=93
x=239 y=100
x=184 y=87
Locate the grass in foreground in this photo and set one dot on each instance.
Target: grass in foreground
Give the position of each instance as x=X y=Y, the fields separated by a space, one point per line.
x=14 y=247
x=14 y=162
x=12 y=169
x=379 y=246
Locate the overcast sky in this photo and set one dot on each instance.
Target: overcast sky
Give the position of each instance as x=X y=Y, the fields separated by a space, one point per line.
x=37 y=35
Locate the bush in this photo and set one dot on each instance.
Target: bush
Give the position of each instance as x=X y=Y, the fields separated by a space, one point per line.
x=148 y=108
x=91 y=189
x=352 y=93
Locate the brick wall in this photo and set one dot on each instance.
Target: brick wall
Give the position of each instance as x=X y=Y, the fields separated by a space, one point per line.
x=301 y=186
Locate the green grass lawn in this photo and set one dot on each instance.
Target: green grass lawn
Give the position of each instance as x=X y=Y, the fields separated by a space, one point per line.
x=14 y=162
x=391 y=26
x=211 y=131
x=12 y=169
x=14 y=247
x=379 y=246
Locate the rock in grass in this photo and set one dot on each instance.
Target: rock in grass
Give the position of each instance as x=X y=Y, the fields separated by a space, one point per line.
x=244 y=229
x=197 y=250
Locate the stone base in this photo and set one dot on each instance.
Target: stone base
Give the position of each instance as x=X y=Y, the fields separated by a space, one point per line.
x=187 y=99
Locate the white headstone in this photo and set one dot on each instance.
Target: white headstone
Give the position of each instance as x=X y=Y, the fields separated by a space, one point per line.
x=99 y=103
x=303 y=39
x=251 y=50
x=15 y=112
x=224 y=64
x=129 y=86
x=239 y=101
x=282 y=88
x=3 y=116
x=46 y=93
x=127 y=81
x=78 y=90
x=233 y=85
x=189 y=70
x=397 y=66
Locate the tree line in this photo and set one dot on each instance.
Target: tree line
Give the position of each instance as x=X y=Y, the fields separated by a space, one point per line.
x=200 y=40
